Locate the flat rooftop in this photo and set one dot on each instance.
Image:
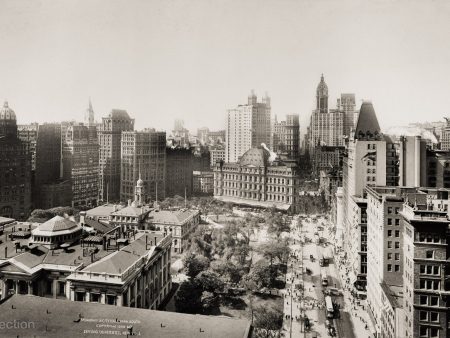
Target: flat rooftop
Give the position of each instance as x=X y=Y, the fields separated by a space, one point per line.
x=55 y=318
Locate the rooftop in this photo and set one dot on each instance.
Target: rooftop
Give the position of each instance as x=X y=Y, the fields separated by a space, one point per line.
x=55 y=318
x=132 y=211
x=103 y=210
x=171 y=217
x=119 y=261
x=394 y=294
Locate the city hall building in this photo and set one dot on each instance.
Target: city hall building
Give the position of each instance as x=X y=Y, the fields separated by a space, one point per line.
x=256 y=181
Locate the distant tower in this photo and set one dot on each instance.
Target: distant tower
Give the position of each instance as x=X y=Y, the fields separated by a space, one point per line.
x=322 y=96
x=139 y=198
x=252 y=99
x=89 y=116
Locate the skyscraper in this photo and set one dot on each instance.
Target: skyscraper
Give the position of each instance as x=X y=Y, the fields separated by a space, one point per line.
x=143 y=152
x=248 y=126
x=365 y=165
x=326 y=127
x=80 y=164
x=110 y=136
x=286 y=137
x=15 y=168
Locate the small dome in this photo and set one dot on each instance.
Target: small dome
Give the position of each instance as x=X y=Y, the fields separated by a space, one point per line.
x=257 y=157
x=57 y=223
x=7 y=113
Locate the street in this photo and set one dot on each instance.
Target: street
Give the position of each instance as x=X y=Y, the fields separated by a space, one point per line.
x=310 y=302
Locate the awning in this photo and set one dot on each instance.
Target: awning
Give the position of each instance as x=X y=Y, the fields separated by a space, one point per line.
x=93 y=239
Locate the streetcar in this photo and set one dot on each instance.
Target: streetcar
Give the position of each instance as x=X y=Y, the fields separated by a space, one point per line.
x=324 y=277
x=329 y=306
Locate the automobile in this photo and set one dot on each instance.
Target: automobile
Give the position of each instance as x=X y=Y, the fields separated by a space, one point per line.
x=332 y=331
x=308 y=271
x=307 y=324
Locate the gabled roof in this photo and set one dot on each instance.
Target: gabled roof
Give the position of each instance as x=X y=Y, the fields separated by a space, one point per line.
x=367 y=121
x=131 y=211
x=171 y=217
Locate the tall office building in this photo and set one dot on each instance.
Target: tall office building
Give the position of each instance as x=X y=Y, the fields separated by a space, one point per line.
x=347 y=104
x=385 y=258
x=15 y=168
x=110 y=136
x=28 y=134
x=49 y=190
x=248 y=126
x=286 y=137
x=179 y=168
x=426 y=278
x=365 y=165
x=326 y=127
x=80 y=164
x=89 y=115
x=143 y=153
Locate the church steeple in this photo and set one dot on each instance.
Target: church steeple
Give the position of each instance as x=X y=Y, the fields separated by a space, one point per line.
x=139 y=193
x=322 y=96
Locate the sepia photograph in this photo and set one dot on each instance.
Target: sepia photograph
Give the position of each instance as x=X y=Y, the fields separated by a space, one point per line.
x=225 y=168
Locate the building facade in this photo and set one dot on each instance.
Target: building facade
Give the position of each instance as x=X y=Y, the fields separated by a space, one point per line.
x=80 y=164
x=143 y=152
x=110 y=136
x=286 y=137
x=15 y=168
x=179 y=168
x=256 y=181
x=248 y=126
x=426 y=252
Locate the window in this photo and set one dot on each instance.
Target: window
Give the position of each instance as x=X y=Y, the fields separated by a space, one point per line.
x=389 y=221
x=429 y=254
x=389 y=244
x=423 y=316
x=434 y=301
x=397 y=245
x=397 y=268
x=95 y=298
x=389 y=210
x=397 y=233
x=389 y=255
x=423 y=331
x=423 y=300
x=434 y=332
x=389 y=267
x=434 y=316
x=397 y=221
x=389 y=233
x=397 y=256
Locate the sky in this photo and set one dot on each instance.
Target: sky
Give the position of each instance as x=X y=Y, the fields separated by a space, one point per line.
x=194 y=59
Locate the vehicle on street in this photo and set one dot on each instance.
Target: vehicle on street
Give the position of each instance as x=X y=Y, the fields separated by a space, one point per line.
x=329 y=306
x=324 y=277
x=317 y=239
x=308 y=271
x=332 y=331
x=323 y=261
x=307 y=323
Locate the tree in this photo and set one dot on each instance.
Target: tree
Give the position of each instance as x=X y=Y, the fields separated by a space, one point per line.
x=261 y=275
x=209 y=281
x=195 y=264
x=275 y=250
x=188 y=299
x=268 y=318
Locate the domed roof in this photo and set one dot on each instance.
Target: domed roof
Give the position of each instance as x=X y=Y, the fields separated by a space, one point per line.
x=322 y=87
x=257 y=157
x=57 y=223
x=7 y=113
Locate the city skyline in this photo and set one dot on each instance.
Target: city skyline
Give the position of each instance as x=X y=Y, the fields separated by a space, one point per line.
x=166 y=60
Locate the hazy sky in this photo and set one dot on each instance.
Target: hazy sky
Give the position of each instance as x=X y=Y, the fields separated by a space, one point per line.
x=193 y=59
